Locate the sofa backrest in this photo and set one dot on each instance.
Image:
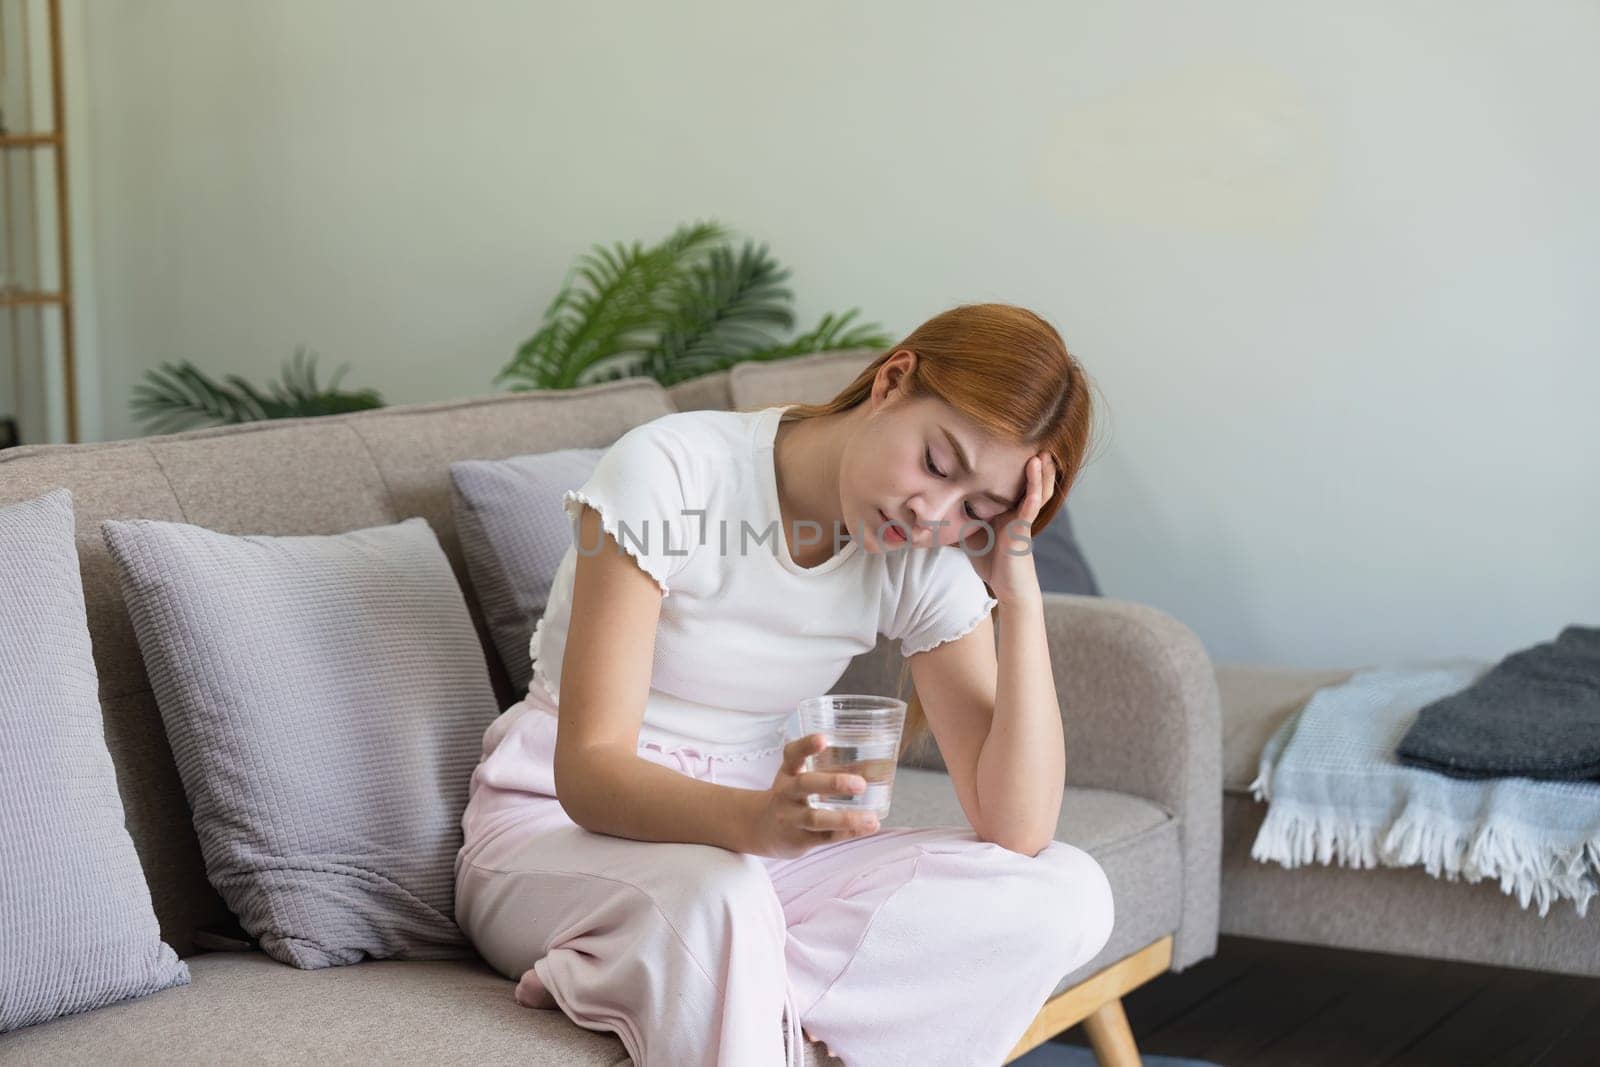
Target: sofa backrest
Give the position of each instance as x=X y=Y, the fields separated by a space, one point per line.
x=812 y=379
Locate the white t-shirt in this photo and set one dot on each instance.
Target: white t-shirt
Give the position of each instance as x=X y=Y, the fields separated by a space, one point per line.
x=745 y=633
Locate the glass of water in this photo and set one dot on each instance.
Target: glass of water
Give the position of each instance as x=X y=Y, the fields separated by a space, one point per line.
x=863 y=735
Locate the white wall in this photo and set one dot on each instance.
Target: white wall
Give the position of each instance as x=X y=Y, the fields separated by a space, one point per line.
x=1335 y=271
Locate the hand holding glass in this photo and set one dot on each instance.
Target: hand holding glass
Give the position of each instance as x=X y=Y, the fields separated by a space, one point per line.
x=863 y=738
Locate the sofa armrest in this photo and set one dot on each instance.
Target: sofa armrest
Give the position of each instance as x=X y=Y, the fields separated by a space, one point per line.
x=1141 y=715
x=1139 y=701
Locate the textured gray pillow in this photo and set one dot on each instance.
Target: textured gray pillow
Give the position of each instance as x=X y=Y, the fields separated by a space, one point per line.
x=1059 y=561
x=325 y=698
x=77 y=929
x=514 y=534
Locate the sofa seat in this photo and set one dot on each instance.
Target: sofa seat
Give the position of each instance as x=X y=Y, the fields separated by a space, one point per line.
x=1402 y=910
x=245 y=1005
x=1255 y=702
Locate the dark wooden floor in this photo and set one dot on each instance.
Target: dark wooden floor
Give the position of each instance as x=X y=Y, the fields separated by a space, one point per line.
x=1267 y=1004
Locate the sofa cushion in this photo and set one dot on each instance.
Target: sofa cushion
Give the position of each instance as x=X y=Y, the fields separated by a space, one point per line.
x=1059 y=560
x=514 y=534
x=246 y=1007
x=77 y=930
x=325 y=697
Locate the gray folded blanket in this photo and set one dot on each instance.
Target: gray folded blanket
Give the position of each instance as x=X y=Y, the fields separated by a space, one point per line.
x=1535 y=714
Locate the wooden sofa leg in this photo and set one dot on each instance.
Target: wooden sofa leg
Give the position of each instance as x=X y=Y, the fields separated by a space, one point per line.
x=1095 y=1003
x=1110 y=1036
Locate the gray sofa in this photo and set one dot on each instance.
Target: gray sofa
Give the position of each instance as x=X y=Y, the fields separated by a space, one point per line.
x=1138 y=694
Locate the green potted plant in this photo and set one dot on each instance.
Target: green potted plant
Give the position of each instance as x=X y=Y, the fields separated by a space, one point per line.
x=688 y=306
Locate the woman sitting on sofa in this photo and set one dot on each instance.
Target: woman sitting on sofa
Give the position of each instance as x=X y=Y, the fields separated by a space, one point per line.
x=639 y=848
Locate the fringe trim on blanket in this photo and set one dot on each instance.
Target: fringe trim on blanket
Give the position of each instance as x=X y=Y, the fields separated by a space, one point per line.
x=1526 y=867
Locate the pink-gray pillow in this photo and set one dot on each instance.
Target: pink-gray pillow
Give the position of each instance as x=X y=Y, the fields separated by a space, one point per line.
x=325 y=697
x=514 y=534
x=1060 y=562
x=77 y=928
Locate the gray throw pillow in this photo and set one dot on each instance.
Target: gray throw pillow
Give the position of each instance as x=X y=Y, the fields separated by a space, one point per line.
x=77 y=929
x=1059 y=561
x=514 y=534
x=325 y=697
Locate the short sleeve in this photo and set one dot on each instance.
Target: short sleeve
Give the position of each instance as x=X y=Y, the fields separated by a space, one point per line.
x=940 y=599
x=641 y=486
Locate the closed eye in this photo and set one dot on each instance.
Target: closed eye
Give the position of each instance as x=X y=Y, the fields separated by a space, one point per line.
x=927 y=455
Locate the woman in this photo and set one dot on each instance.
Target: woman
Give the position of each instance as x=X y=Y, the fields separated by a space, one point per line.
x=638 y=846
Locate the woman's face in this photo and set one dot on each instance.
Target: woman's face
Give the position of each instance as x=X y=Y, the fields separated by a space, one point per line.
x=905 y=466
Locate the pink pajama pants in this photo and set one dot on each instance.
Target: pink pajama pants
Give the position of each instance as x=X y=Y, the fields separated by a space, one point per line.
x=908 y=946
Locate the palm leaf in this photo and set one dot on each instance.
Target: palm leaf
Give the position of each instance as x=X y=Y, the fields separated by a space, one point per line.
x=725 y=307
x=607 y=329
x=830 y=335
x=176 y=397
x=180 y=396
x=687 y=307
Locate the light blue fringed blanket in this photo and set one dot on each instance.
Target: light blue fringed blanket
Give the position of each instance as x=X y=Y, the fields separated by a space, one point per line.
x=1335 y=792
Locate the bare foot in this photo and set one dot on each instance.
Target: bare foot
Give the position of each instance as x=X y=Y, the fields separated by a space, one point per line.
x=832 y=1059
x=531 y=992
